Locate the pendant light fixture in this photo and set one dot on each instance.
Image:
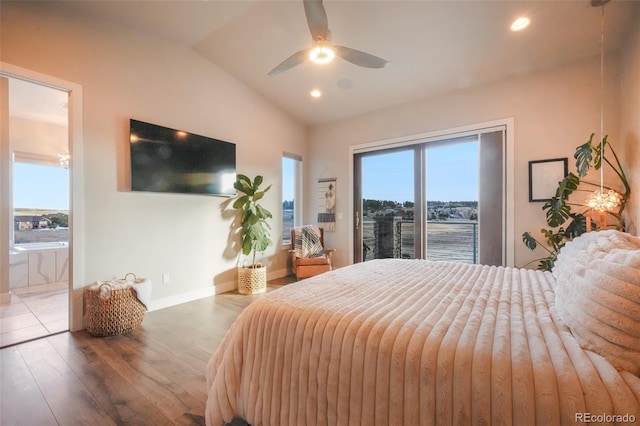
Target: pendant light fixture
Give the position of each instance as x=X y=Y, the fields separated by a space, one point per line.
x=602 y=201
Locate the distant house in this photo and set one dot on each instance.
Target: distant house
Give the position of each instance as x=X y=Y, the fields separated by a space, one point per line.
x=31 y=222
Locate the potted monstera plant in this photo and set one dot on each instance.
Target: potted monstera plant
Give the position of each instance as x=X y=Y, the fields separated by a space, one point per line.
x=255 y=238
x=565 y=223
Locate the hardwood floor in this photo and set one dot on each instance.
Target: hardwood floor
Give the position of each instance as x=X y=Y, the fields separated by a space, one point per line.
x=153 y=375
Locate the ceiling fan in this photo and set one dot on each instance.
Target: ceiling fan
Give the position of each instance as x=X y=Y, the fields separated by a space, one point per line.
x=323 y=50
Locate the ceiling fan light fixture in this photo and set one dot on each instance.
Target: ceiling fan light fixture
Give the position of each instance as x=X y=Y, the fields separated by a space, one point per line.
x=520 y=24
x=321 y=55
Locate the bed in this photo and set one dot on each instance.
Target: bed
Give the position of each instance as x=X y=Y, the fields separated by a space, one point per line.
x=414 y=342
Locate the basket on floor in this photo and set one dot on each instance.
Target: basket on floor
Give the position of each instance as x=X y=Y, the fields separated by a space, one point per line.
x=115 y=311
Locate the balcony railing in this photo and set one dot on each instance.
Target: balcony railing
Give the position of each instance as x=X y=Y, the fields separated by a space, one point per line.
x=392 y=237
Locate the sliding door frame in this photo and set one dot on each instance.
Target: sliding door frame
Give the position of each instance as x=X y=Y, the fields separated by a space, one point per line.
x=506 y=125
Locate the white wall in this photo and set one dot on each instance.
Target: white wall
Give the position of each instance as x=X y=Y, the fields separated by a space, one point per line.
x=553 y=111
x=129 y=75
x=630 y=122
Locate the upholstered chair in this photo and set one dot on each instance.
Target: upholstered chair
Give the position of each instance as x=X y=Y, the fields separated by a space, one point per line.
x=313 y=259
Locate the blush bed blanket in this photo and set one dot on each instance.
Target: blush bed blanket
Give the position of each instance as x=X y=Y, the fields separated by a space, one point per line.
x=413 y=342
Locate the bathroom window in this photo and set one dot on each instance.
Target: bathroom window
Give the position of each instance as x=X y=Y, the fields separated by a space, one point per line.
x=40 y=203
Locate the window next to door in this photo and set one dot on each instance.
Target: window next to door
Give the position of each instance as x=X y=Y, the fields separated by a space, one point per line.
x=291 y=194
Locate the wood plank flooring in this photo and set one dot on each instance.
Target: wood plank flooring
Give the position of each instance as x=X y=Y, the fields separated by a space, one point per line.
x=153 y=375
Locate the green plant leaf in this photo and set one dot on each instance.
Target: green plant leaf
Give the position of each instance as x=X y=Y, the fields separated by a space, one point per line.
x=557 y=211
x=258 y=195
x=529 y=241
x=264 y=213
x=243 y=178
x=546 y=264
x=257 y=182
x=598 y=150
x=555 y=239
x=584 y=156
x=241 y=201
x=566 y=186
x=577 y=227
x=247 y=247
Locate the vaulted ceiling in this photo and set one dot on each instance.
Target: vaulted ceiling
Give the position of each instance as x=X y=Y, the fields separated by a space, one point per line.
x=433 y=47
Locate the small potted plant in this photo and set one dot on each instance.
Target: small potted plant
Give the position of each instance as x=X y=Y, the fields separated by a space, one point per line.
x=252 y=277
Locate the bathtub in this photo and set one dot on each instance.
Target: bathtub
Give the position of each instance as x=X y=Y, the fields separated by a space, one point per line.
x=19 y=248
x=38 y=263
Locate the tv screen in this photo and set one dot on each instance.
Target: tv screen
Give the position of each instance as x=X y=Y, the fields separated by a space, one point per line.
x=169 y=160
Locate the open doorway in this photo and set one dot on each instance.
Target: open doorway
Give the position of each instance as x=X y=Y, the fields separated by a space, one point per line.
x=38 y=211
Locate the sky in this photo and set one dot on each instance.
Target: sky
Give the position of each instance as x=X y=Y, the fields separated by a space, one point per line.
x=452 y=174
x=42 y=187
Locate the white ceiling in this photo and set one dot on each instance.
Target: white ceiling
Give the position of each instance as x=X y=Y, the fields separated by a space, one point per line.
x=36 y=102
x=433 y=46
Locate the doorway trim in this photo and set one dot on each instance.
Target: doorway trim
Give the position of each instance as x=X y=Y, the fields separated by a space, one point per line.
x=76 y=168
x=509 y=171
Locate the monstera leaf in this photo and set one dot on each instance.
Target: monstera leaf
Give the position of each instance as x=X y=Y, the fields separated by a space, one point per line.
x=555 y=239
x=577 y=227
x=587 y=153
x=529 y=241
x=567 y=185
x=557 y=211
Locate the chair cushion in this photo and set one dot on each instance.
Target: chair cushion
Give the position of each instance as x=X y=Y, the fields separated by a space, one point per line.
x=311 y=261
x=311 y=270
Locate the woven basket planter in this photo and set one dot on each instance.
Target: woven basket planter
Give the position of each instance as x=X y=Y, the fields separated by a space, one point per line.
x=116 y=312
x=252 y=280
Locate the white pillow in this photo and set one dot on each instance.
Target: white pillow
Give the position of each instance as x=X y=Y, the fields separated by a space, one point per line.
x=598 y=295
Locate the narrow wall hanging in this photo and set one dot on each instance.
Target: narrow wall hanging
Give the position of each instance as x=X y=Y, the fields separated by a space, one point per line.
x=327 y=204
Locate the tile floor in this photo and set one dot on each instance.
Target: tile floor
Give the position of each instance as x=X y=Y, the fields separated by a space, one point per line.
x=34 y=312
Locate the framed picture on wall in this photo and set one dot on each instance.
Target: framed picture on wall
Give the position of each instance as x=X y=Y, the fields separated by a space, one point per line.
x=544 y=176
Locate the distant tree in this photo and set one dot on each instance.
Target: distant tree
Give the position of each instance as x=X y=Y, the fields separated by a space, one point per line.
x=287 y=205
x=372 y=204
x=60 y=221
x=408 y=204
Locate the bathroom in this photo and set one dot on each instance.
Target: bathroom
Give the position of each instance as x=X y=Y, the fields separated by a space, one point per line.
x=38 y=261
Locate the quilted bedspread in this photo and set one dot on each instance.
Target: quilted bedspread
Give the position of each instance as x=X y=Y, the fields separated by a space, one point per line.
x=413 y=342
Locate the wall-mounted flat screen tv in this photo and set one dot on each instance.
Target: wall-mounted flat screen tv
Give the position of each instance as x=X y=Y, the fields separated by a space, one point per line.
x=169 y=160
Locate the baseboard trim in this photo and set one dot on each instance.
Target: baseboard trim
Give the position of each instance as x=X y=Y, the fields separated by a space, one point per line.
x=190 y=296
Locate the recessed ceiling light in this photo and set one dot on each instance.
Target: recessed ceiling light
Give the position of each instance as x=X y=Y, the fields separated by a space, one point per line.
x=316 y=93
x=520 y=24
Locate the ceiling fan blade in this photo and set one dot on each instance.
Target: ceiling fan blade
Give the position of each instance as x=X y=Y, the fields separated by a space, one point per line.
x=317 y=19
x=357 y=57
x=293 y=60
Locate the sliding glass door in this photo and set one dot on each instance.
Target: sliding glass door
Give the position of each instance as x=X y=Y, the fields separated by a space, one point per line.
x=452 y=200
x=386 y=207
x=437 y=200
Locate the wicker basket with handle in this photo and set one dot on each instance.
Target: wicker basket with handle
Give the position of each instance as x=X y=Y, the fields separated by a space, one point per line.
x=112 y=309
